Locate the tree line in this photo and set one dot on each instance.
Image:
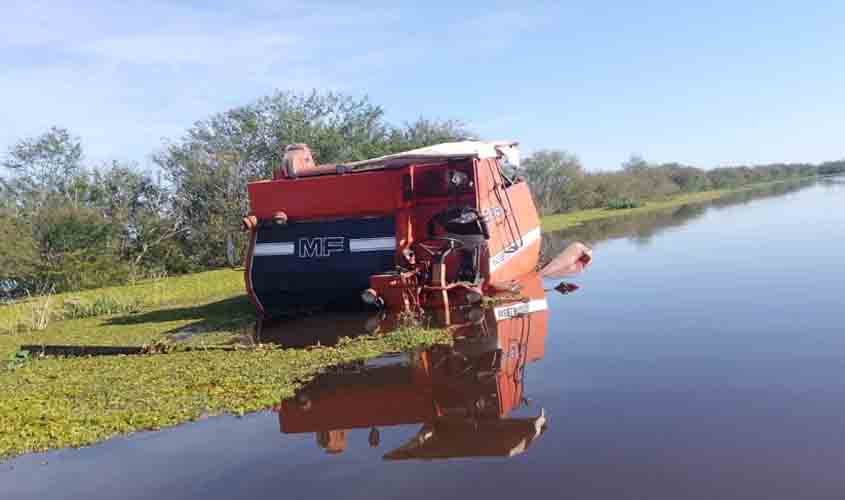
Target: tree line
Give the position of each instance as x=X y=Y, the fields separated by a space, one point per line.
x=561 y=184
x=68 y=225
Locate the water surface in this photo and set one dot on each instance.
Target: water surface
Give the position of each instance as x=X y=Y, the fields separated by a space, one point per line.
x=702 y=357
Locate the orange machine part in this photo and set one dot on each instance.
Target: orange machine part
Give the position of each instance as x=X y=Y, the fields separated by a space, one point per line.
x=352 y=195
x=514 y=245
x=412 y=195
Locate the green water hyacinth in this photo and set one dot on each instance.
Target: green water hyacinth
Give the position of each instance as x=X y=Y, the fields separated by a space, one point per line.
x=200 y=328
x=59 y=402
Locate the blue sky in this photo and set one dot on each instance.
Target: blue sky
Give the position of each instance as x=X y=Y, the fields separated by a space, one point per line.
x=715 y=84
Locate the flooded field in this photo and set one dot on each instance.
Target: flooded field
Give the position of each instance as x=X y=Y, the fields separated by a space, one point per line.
x=701 y=357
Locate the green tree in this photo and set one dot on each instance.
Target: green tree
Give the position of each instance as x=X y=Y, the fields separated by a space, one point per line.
x=43 y=166
x=552 y=175
x=18 y=254
x=424 y=132
x=635 y=163
x=78 y=248
x=139 y=207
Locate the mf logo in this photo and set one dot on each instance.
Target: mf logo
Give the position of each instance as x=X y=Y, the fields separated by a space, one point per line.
x=322 y=246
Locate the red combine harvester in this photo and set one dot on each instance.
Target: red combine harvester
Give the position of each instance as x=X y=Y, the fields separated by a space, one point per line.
x=431 y=227
x=462 y=395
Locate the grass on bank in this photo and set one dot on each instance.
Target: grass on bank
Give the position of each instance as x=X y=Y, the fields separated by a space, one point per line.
x=38 y=313
x=56 y=402
x=206 y=304
x=566 y=220
x=558 y=222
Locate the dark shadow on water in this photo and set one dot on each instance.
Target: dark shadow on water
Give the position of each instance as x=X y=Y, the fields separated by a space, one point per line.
x=323 y=328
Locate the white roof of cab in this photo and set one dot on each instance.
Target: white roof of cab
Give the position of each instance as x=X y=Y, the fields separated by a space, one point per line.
x=447 y=151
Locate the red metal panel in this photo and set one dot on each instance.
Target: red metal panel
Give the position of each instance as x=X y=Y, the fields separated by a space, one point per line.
x=351 y=195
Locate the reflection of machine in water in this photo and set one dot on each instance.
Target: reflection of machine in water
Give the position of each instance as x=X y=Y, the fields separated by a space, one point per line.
x=462 y=394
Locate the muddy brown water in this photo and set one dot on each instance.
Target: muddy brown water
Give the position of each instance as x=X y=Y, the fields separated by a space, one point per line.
x=702 y=357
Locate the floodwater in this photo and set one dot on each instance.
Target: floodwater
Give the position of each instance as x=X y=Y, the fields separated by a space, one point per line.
x=702 y=357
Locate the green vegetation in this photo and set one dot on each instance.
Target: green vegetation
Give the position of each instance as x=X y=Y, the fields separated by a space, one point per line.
x=642 y=225
x=76 y=401
x=622 y=204
x=53 y=402
x=180 y=302
x=562 y=186
x=832 y=168
x=68 y=225
x=559 y=222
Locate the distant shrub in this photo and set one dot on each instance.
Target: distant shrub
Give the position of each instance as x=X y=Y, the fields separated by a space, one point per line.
x=623 y=203
x=100 y=306
x=17 y=359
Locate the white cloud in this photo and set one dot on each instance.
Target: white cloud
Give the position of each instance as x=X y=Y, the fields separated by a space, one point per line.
x=123 y=75
x=204 y=49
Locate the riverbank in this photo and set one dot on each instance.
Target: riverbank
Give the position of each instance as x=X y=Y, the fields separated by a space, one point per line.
x=54 y=402
x=559 y=222
x=144 y=313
